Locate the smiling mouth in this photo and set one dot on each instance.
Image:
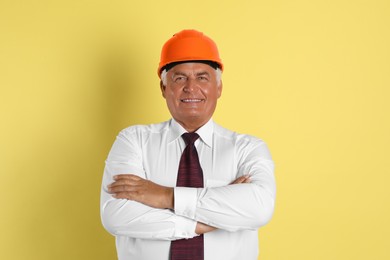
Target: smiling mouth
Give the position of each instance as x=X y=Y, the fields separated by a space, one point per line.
x=191 y=100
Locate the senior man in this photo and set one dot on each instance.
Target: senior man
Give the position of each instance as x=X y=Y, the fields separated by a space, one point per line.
x=187 y=188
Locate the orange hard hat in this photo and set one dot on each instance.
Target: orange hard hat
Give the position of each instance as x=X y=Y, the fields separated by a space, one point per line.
x=189 y=45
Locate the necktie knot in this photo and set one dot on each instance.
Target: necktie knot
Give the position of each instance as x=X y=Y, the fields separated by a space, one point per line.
x=190 y=138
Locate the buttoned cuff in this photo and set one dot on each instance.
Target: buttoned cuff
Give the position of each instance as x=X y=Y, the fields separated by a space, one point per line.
x=185 y=200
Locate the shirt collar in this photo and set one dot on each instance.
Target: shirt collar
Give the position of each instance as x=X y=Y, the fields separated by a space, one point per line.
x=205 y=132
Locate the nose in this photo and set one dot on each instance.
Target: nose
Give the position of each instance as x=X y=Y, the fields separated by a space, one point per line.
x=190 y=85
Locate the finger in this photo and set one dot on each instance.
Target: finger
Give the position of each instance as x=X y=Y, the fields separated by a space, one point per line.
x=124 y=182
x=123 y=188
x=133 y=181
x=123 y=195
x=126 y=177
x=239 y=180
x=242 y=179
x=247 y=180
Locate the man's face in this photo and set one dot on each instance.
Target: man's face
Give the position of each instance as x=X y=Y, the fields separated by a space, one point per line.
x=191 y=93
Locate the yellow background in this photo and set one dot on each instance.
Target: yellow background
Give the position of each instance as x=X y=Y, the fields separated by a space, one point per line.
x=311 y=78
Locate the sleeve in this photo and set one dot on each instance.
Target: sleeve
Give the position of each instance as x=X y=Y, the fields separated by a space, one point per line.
x=123 y=217
x=239 y=206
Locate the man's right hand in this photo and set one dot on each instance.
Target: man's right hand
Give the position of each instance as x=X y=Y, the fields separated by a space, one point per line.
x=203 y=228
x=243 y=179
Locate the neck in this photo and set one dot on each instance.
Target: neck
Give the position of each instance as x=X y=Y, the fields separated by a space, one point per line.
x=192 y=125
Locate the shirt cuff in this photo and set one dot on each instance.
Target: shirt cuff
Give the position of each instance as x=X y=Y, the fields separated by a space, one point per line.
x=185 y=200
x=185 y=228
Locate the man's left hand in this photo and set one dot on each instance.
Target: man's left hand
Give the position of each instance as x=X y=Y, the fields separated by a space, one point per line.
x=132 y=187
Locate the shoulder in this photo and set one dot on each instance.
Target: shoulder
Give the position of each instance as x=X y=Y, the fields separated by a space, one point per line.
x=229 y=135
x=143 y=131
x=243 y=143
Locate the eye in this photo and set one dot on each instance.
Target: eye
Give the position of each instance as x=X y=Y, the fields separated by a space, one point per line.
x=203 y=78
x=179 y=79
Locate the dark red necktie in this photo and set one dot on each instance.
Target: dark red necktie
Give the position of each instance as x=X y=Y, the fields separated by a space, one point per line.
x=190 y=175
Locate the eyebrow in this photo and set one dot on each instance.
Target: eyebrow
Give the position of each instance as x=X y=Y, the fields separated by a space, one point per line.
x=202 y=73
x=197 y=74
x=179 y=73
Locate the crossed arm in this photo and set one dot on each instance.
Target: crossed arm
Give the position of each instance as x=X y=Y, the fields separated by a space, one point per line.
x=135 y=188
x=135 y=207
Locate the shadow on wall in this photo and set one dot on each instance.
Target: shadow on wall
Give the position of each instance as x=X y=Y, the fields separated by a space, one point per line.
x=67 y=216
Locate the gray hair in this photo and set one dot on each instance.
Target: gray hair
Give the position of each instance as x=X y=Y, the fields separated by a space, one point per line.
x=218 y=73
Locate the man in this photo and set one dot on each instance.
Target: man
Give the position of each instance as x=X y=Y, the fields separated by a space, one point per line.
x=157 y=205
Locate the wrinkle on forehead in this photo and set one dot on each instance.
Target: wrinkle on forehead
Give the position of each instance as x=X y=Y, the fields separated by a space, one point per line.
x=191 y=73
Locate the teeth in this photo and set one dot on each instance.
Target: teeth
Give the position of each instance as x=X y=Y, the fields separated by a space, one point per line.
x=189 y=100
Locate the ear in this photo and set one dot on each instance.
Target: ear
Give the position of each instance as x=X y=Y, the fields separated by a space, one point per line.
x=162 y=88
x=219 y=89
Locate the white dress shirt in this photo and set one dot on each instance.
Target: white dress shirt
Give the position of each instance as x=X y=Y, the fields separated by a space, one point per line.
x=153 y=152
